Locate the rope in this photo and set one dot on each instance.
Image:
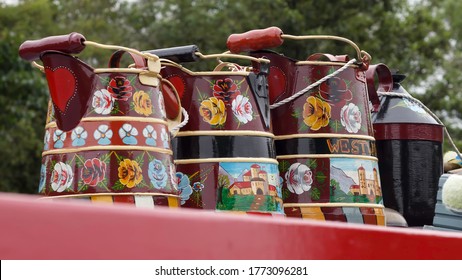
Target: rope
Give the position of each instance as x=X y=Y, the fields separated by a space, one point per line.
x=183 y=123
x=415 y=100
x=313 y=85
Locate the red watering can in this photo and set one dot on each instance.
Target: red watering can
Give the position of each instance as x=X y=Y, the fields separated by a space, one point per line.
x=323 y=132
x=224 y=155
x=107 y=135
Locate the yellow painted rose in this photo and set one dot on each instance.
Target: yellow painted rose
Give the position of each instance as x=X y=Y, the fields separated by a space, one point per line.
x=143 y=104
x=316 y=113
x=130 y=173
x=213 y=111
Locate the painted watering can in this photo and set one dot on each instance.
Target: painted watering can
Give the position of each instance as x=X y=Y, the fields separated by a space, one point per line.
x=323 y=132
x=409 y=147
x=107 y=134
x=225 y=156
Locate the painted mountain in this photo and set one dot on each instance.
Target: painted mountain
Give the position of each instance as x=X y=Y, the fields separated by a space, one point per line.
x=344 y=180
x=222 y=171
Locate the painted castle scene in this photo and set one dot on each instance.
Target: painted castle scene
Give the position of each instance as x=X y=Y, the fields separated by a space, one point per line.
x=354 y=181
x=249 y=187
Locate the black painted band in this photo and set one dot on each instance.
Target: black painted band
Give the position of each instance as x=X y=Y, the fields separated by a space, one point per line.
x=347 y=146
x=195 y=147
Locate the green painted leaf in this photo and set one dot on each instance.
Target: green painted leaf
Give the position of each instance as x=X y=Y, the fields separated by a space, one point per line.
x=320 y=177
x=297 y=113
x=118 y=186
x=335 y=125
x=312 y=163
x=284 y=166
x=315 y=194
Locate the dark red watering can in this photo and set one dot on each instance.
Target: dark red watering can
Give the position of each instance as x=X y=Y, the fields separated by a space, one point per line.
x=107 y=135
x=323 y=132
x=224 y=155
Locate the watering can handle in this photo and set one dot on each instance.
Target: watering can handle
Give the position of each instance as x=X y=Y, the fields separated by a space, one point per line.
x=384 y=83
x=271 y=37
x=177 y=54
x=254 y=40
x=71 y=43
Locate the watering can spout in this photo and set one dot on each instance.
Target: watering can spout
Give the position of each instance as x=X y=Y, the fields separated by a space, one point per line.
x=71 y=83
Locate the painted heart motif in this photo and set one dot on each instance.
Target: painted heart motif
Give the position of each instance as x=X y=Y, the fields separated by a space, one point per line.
x=178 y=83
x=277 y=83
x=62 y=85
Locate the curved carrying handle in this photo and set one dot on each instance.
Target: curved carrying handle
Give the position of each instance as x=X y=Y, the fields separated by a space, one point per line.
x=177 y=54
x=384 y=83
x=114 y=61
x=271 y=37
x=72 y=43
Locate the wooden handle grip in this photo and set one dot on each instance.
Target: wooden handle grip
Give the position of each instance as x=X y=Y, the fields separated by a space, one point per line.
x=72 y=43
x=255 y=40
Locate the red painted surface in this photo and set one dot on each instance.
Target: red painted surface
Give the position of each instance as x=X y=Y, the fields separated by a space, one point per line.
x=408 y=131
x=32 y=229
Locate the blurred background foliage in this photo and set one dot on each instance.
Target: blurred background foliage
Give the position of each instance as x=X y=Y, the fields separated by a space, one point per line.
x=422 y=39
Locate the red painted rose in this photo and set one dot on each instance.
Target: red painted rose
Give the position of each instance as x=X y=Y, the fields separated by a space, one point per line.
x=93 y=171
x=226 y=90
x=120 y=88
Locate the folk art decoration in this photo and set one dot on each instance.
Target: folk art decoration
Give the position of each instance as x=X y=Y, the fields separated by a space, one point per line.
x=323 y=133
x=279 y=137
x=225 y=154
x=107 y=133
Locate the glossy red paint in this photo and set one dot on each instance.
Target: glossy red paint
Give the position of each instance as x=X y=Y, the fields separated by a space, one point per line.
x=408 y=131
x=34 y=229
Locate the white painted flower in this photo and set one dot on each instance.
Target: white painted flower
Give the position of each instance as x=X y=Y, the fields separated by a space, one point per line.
x=78 y=136
x=103 y=134
x=242 y=109
x=299 y=178
x=61 y=177
x=150 y=134
x=127 y=133
x=350 y=117
x=102 y=102
x=164 y=138
x=58 y=138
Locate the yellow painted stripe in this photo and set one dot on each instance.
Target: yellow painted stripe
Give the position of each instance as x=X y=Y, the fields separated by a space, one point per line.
x=380 y=216
x=102 y=199
x=173 y=201
x=314 y=213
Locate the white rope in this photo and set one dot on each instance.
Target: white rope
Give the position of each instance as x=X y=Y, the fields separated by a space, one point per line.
x=415 y=100
x=183 y=123
x=313 y=85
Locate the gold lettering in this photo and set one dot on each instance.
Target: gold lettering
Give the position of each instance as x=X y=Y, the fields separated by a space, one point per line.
x=345 y=143
x=354 y=147
x=333 y=148
x=365 y=148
